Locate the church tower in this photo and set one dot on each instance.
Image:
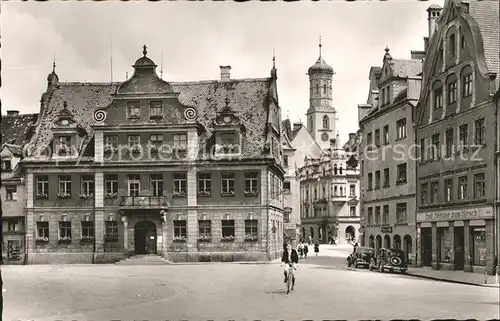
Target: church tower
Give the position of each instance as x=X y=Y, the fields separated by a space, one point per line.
x=321 y=116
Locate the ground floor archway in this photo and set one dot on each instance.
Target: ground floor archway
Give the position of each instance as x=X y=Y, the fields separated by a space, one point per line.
x=145 y=237
x=371 y=242
x=350 y=233
x=379 y=242
x=387 y=241
x=397 y=242
x=311 y=232
x=407 y=246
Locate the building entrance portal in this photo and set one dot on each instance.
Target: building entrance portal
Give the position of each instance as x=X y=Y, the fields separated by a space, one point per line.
x=145 y=237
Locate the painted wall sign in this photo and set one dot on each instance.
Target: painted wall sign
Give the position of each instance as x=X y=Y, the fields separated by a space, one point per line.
x=289 y=226
x=465 y=214
x=386 y=229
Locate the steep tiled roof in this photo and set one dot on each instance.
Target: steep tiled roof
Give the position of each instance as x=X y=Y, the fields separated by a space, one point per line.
x=287 y=127
x=249 y=101
x=486 y=15
x=15 y=129
x=406 y=67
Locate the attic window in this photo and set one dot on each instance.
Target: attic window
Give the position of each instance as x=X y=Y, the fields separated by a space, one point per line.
x=156 y=110
x=64 y=145
x=133 y=110
x=228 y=143
x=6 y=165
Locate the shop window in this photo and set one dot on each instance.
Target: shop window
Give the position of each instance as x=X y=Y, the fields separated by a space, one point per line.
x=111 y=231
x=227 y=184
x=443 y=244
x=180 y=182
x=478 y=246
x=14 y=250
x=228 y=229
x=205 y=230
x=180 y=229
x=204 y=184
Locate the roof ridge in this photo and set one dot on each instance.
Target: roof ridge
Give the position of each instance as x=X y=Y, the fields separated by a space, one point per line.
x=189 y=82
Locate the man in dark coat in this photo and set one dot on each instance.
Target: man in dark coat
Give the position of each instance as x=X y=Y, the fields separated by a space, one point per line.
x=290 y=256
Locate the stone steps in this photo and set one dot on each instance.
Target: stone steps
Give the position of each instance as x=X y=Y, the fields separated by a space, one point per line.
x=144 y=260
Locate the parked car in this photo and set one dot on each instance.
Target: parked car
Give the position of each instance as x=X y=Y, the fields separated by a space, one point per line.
x=361 y=257
x=393 y=260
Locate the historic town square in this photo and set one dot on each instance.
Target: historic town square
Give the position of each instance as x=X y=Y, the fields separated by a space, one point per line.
x=250 y=161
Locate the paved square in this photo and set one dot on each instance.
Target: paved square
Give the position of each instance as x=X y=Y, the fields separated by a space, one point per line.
x=325 y=290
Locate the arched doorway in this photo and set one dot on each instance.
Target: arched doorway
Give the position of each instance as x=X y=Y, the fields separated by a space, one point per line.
x=379 y=242
x=145 y=237
x=397 y=242
x=387 y=242
x=371 y=242
x=303 y=236
x=311 y=231
x=407 y=246
x=350 y=233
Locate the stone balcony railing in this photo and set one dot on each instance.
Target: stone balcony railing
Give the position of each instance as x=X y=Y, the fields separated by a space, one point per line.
x=144 y=201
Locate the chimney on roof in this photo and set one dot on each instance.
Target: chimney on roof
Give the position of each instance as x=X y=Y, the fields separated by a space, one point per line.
x=13 y=113
x=433 y=14
x=297 y=125
x=225 y=73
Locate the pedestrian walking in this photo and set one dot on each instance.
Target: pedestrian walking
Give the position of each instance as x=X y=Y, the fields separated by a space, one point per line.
x=316 y=248
x=306 y=249
x=300 y=249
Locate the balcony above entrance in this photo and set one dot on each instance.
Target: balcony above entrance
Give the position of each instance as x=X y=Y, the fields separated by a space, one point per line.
x=338 y=198
x=144 y=202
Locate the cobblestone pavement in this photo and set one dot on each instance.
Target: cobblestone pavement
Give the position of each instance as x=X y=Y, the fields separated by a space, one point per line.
x=325 y=290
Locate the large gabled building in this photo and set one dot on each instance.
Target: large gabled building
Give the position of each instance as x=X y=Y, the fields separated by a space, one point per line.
x=191 y=171
x=456 y=182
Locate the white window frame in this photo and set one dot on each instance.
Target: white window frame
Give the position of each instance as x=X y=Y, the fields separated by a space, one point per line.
x=205 y=183
x=251 y=179
x=227 y=183
x=156 y=184
x=64 y=184
x=134 y=185
x=180 y=183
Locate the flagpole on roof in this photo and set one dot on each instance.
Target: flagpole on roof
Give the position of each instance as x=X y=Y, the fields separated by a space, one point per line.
x=111 y=56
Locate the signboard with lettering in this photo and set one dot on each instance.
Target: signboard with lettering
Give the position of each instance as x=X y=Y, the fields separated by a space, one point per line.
x=386 y=229
x=465 y=214
x=289 y=226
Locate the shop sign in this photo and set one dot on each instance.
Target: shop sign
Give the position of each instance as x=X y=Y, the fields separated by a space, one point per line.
x=465 y=214
x=386 y=229
x=289 y=226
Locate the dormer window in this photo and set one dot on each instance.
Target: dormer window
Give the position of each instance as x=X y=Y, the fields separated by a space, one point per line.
x=229 y=143
x=156 y=110
x=6 y=165
x=133 y=110
x=64 y=145
x=228 y=132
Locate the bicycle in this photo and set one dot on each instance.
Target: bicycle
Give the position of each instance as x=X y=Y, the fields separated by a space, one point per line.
x=290 y=277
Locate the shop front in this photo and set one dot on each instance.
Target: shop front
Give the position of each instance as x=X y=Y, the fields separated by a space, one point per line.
x=461 y=239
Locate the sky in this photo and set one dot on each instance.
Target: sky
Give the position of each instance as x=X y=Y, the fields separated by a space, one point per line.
x=194 y=38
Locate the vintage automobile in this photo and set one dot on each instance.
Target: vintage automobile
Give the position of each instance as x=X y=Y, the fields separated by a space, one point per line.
x=393 y=260
x=360 y=257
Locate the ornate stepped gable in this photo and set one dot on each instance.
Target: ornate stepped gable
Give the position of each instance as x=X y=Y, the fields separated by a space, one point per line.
x=250 y=101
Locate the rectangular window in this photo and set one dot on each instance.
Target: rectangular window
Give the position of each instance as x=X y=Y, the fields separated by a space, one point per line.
x=229 y=143
x=435 y=147
x=42 y=186
x=64 y=186
x=285 y=160
x=180 y=229
x=134 y=185
x=401 y=128
x=157 y=184
x=87 y=230
x=382 y=98
x=227 y=180
x=452 y=92
x=479 y=185
x=434 y=192
x=111 y=185
x=156 y=110
x=369 y=140
x=448 y=190
x=377 y=137
x=251 y=228
x=110 y=143
x=251 y=182
x=42 y=229
x=467 y=85
x=386 y=134
x=204 y=184
x=422 y=150
x=6 y=165
x=377 y=215
x=227 y=228
x=87 y=185
x=478 y=236
x=401 y=173
x=386 y=178
x=479 y=139
x=180 y=141
x=352 y=211
x=462 y=188
x=10 y=192
x=133 y=109
x=134 y=140
x=111 y=231
x=180 y=183
x=205 y=229
x=423 y=193
x=370 y=215
x=286 y=187
x=401 y=213
x=370 y=181
x=64 y=145
x=156 y=140
x=385 y=216
x=352 y=190
x=65 y=231
x=449 y=142
x=377 y=179
x=463 y=139
x=438 y=98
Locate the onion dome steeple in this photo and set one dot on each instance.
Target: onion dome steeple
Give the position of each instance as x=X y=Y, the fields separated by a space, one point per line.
x=320 y=65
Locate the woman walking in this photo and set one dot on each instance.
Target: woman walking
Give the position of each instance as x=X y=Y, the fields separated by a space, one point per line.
x=316 y=247
x=306 y=249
